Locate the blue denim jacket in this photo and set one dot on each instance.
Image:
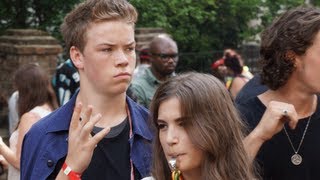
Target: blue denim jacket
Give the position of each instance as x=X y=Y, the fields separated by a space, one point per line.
x=47 y=142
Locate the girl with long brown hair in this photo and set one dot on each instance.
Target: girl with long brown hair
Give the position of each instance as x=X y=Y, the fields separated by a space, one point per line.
x=198 y=126
x=36 y=100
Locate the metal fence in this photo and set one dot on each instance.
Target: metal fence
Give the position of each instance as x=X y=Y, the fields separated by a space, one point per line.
x=201 y=62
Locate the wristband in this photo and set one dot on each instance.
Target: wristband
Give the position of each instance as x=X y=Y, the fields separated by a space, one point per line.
x=70 y=173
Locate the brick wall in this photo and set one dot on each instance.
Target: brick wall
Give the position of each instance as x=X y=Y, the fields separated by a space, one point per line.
x=143 y=36
x=22 y=46
x=18 y=47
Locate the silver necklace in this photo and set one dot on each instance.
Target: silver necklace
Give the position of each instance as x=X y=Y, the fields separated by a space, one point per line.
x=296 y=158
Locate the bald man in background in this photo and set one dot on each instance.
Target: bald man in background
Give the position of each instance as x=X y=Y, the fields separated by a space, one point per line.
x=164 y=59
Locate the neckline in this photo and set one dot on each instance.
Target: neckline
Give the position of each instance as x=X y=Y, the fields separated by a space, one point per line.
x=115 y=130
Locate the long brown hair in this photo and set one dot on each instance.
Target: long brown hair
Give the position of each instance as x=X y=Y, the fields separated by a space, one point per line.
x=213 y=125
x=34 y=88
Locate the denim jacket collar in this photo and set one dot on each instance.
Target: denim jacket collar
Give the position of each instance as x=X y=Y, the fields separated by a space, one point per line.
x=62 y=124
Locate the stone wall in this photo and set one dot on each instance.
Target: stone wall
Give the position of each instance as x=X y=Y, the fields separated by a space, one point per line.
x=145 y=35
x=22 y=46
x=18 y=47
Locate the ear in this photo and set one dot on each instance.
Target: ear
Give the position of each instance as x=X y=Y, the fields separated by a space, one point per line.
x=292 y=56
x=76 y=57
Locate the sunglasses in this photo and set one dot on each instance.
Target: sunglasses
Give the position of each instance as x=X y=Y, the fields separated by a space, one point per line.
x=165 y=57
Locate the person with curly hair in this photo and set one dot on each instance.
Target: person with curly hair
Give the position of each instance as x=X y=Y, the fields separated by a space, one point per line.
x=285 y=120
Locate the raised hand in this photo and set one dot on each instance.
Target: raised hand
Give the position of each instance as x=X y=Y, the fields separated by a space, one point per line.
x=80 y=142
x=273 y=119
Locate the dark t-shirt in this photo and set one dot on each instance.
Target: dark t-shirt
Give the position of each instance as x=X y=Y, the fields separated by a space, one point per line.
x=111 y=157
x=274 y=157
x=251 y=89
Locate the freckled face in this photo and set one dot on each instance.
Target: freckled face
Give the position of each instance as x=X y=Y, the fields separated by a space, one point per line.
x=174 y=138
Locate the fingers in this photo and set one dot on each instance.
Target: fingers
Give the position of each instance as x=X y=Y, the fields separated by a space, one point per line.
x=75 y=116
x=87 y=115
x=88 y=126
x=293 y=119
x=285 y=112
x=99 y=136
x=88 y=122
x=81 y=144
x=85 y=126
x=290 y=115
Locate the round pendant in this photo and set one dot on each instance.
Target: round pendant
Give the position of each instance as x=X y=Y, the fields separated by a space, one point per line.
x=296 y=159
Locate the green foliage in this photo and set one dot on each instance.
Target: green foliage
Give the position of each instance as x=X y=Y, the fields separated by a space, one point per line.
x=209 y=25
x=316 y=2
x=42 y=14
x=199 y=25
x=273 y=8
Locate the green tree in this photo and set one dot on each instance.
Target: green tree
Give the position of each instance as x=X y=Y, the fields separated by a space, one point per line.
x=209 y=25
x=315 y=2
x=42 y=14
x=271 y=9
x=199 y=25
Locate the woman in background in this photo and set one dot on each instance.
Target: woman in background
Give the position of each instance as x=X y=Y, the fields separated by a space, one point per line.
x=235 y=79
x=36 y=100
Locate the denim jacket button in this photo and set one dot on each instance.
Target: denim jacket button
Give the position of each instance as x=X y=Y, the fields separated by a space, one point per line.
x=50 y=163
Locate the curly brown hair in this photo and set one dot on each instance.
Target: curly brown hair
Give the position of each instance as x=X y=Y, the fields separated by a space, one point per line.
x=291 y=34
